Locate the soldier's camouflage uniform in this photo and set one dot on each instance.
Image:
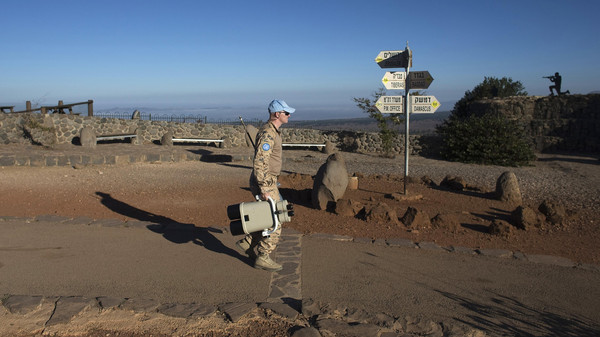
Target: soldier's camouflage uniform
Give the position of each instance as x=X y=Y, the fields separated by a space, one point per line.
x=266 y=169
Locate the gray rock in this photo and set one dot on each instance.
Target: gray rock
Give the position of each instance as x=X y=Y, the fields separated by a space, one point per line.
x=454 y=183
x=415 y=219
x=348 y=207
x=182 y=310
x=381 y=213
x=87 y=137
x=167 y=139
x=525 y=218
x=500 y=228
x=140 y=305
x=399 y=242
x=551 y=260
x=306 y=332
x=344 y=329
x=507 y=188
x=555 y=213
x=429 y=246
x=310 y=308
x=330 y=182
x=106 y=302
x=446 y=221
x=22 y=304
x=495 y=252
x=235 y=311
x=67 y=307
x=281 y=309
x=329 y=148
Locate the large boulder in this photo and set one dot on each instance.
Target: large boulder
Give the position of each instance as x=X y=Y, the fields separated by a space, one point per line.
x=87 y=137
x=330 y=182
x=507 y=188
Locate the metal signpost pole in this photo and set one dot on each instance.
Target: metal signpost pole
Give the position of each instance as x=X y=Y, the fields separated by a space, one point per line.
x=406 y=121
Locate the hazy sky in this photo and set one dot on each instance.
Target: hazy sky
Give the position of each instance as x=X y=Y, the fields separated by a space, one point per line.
x=316 y=55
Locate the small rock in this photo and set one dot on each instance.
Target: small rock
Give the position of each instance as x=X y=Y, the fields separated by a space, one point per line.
x=500 y=228
x=415 y=219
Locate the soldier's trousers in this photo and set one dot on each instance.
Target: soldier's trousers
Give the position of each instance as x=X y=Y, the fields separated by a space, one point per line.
x=264 y=245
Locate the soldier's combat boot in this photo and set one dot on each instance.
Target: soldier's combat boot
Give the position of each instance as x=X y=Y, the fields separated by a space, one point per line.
x=263 y=261
x=246 y=248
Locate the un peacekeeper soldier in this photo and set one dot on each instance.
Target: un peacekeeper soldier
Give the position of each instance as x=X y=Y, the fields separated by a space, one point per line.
x=263 y=182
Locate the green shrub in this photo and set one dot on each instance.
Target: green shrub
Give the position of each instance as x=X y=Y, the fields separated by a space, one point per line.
x=488 y=139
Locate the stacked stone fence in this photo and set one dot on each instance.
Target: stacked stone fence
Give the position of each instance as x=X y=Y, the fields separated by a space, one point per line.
x=53 y=129
x=567 y=123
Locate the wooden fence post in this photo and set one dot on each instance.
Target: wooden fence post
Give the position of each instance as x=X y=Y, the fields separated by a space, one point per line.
x=28 y=106
x=90 y=107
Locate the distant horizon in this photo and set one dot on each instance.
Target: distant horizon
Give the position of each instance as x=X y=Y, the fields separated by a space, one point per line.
x=225 y=112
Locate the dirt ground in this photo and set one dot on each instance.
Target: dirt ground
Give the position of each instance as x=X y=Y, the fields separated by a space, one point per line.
x=198 y=193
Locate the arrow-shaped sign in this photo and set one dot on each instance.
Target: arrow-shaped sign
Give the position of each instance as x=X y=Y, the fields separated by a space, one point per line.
x=423 y=104
x=394 y=80
x=420 y=79
x=390 y=104
x=394 y=58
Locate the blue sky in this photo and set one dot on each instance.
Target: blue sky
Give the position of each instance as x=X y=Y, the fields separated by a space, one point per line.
x=233 y=57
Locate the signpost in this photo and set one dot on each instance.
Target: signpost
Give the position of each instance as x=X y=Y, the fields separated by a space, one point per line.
x=404 y=80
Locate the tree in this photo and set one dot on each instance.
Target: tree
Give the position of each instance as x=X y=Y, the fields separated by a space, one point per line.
x=489 y=139
x=387 y=124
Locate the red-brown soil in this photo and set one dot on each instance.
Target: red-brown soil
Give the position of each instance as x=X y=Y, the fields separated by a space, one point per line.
x=198 y=193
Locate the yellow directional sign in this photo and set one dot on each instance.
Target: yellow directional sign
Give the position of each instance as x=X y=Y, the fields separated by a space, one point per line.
x=390 y=104
x=394 y=80
x=423 y=104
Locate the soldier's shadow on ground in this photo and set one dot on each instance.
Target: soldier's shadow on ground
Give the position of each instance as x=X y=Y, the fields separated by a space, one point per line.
x=172 y=230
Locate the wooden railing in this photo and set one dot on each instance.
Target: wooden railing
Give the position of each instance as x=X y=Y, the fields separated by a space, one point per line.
x=60 y=108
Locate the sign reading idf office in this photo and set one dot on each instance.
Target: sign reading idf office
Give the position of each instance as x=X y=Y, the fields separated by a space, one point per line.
x=423 y=104
x=394 y=59
x=390 y=104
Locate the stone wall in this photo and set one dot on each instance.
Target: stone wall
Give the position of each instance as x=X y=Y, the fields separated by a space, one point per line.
x=63 y=129
x=569 y=123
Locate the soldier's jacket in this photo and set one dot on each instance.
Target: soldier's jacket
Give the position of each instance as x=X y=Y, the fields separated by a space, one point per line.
x=267 y=156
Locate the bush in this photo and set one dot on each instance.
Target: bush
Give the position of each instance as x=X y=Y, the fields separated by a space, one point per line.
x=488 y=139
